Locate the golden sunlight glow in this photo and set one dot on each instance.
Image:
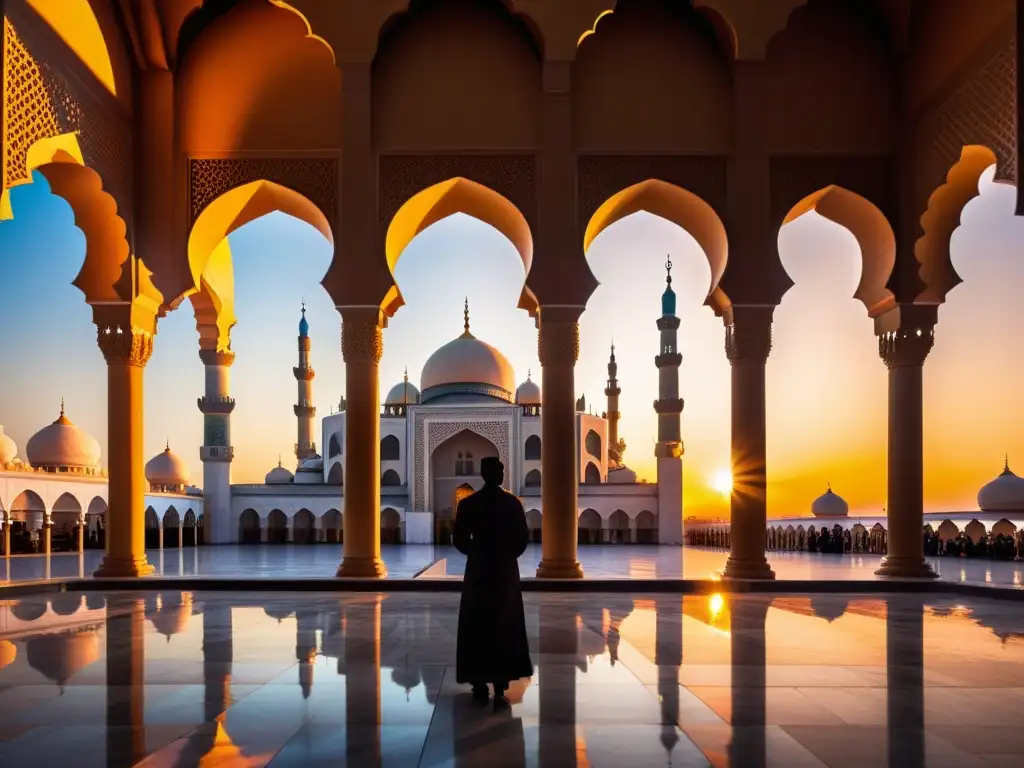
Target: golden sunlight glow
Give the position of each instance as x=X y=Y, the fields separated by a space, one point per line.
x=76 y=24
x=721 y=481
x=593 y=27
x=715 y=605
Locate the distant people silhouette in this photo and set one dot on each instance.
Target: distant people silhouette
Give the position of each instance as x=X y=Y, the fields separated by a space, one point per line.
x=491 y=530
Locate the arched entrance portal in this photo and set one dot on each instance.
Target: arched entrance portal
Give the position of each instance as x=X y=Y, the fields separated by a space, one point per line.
x=451 y=480
x=249 y=527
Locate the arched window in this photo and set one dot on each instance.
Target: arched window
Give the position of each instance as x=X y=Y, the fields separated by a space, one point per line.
x=337 y=475
x=390 y=449
x=532 y=448
x=390 y=478
x=592 y=473
x=333 y=447
x=532 y=479
x=593 y=444
x=459 y=463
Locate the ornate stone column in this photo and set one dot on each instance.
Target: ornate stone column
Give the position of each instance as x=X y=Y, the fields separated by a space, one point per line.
x=6 y=527
x=362 y=345
x=217 y=452
x=46 y=535
x=127 y=350
x=81 y=533
x=748 y=340
x=904 y=350
x=558 y=346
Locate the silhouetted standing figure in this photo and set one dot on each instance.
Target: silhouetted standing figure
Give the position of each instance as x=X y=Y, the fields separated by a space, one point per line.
x=491 y=530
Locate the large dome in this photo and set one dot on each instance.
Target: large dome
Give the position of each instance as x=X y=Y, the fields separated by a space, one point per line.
x=528 y=392
x=467 y=365
x=63 y=446
x=167 y=469
x=830 y=504
x=8 y=449
x=1004 y=494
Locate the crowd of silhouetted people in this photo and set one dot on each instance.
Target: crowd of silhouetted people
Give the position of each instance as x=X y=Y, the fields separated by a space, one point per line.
x=837 y=540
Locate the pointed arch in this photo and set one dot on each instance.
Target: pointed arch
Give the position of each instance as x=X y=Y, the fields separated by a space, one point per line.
x=390 y=478
x=683 y=208
x=592 y=475
x=444 y=199
x=532 y=448
x=390 y=448
x=532 y=479
x=76 y=24
x=873 y=233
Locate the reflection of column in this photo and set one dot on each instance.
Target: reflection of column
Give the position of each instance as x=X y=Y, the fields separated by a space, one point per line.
x=305 y=648
x=556 y=686
x=748 y=340
x=362 y=681
x=904 y=351
x=904 y=664
x=126 y=661
x=217 y=451
x=749 y=707
x=668 y=656
x=558 y=348
x=362 y=345
x=214 y=747
x=127 y=350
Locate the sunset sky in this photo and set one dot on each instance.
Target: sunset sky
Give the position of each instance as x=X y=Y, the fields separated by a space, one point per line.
x=826 y=383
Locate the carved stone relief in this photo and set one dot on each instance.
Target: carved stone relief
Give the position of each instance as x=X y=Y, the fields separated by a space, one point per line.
x=315 y=178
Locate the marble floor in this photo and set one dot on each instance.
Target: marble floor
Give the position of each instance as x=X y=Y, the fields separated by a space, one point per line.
x=405 y=561
x=244 y=679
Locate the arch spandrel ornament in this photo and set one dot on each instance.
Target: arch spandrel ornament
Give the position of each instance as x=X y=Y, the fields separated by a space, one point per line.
x=514 y=177
x=40 y=103
x=315 y=178
x=603 y=176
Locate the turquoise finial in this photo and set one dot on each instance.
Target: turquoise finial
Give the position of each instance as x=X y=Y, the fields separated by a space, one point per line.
x=303 y=323
x=668 y=298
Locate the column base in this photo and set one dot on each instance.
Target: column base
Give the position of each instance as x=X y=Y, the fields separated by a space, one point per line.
x=559 y=569
x=124 y=566
x=906 y=568
x=362 y=568
x=748 y=569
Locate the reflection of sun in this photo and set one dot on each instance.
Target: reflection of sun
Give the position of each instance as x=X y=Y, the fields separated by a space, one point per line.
x=721 y=481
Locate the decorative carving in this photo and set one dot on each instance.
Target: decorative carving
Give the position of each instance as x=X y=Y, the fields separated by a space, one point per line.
x=558 y=341
x=132 y=346
x=981 y=111
x=749 y=339
x=602 y=176
x=511 y=176
x=215 y=431
x=212 y=405
x=315 y=178
x=485 y=422
x=361 y=341
x=224 y=357
x=906 y=347
x=40 y=103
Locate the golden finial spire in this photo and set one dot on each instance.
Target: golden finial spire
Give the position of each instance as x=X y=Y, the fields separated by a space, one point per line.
x=167 y=444
x=829 y=486
x=62 y=406
x=465 y=314
x=279 y=460
x=303 y=306
x=529 y=372
x=668 y=270
x=405 y=376
x=405 y=387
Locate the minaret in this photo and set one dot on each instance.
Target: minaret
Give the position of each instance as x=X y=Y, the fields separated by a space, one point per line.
x=612 y=392
x=304 y=410
x=668 y=406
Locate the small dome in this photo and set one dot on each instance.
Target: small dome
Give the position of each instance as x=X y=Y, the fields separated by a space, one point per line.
x=62 y=655
x=314 y=463
x=173 y=615
x=1004 y=494
x=830 y=505
x=303 y=323
x=403 y=393
x=668 y=298
x=278 y=475
x=167 y=469
x=8 y=449
x=528 y=392
x=468 y=361
x=621 y=474
x=62 y=445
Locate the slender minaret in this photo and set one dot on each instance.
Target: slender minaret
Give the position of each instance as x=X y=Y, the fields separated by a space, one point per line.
x=612 y=392
x=304 y=410
x=668 y=406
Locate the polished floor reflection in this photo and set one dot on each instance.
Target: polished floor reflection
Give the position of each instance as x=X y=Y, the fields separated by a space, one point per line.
x=187 y=679
x=619 y=561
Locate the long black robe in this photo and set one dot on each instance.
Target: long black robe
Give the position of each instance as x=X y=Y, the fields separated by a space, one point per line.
x=491 y=530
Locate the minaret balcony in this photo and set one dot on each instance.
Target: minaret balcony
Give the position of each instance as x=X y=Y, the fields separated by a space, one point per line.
x=305 y=450
x=668 y=406
x=216 y=405
x=612 y=391
x=304 y=373
x=308 y=411
x=669 y=360
x=225 y=453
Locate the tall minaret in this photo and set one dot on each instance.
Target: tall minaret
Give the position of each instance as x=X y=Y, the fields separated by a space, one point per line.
x=612 y=392
x=668 y=406
x=304 y=410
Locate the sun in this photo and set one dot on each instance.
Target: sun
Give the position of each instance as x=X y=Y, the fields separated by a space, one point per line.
x=721 y=481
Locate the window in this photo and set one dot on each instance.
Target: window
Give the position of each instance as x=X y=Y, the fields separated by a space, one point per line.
x=532 y=449
x=390 y=450
x=593 y=444
x=532 y=479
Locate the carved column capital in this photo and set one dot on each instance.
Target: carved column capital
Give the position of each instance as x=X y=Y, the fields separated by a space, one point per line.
x=558 y=341
x=748 y=334
x=362 y=341
x=224 y=357
x=126 y=345
x=906 y=347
